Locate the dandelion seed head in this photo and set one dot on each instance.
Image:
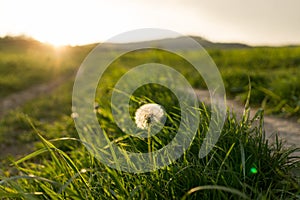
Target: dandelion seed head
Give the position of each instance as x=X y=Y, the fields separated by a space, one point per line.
x=148 y=114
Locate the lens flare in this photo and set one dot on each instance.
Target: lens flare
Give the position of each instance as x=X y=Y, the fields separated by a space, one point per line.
x=253 y=170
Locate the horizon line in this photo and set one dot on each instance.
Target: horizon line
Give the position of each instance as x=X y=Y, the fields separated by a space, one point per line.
x=266 y=44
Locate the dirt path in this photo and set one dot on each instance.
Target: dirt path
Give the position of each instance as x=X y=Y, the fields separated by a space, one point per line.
x=287 y=129
x=19 y=98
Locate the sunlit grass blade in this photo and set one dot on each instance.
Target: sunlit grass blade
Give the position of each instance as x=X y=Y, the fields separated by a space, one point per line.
x=215 y=187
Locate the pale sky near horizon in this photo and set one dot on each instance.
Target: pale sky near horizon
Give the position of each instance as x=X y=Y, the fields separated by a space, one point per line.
x=256 y=22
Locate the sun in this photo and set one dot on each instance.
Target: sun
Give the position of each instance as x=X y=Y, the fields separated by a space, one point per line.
x=52 y=39
x=57 y=43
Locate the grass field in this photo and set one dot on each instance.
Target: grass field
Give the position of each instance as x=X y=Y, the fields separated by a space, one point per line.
x=273 y=72
x=243 y=164
x=25 y=62
x=274 y=75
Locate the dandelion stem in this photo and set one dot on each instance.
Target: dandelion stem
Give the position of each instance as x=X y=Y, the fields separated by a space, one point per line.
x=149 y=144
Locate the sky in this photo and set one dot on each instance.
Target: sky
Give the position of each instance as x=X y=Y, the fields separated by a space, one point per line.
x=76 y=22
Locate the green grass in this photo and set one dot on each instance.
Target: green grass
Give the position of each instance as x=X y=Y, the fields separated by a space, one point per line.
x=242 y=165
x=274 y=74
x=49 y=113
x=63 y=169
x=25 y=62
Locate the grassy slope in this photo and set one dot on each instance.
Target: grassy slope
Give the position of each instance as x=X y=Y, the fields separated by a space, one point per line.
x=274 y=72
x=226 y=172
x=25 y=62
x=227 y=167
x=274 y=75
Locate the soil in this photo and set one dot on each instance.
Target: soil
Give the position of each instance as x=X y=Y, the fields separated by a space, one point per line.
x=287 y=129
x=19 y=98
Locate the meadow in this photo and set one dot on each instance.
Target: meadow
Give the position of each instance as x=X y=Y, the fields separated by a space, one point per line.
x=274 y=75
x=25 y=62
x=52 y=163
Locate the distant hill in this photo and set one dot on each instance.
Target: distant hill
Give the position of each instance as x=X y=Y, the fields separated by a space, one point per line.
x=211 y=45
x=176 y=43
x=18 y=43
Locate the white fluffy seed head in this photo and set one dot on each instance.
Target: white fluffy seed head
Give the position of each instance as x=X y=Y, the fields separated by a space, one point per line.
x=148 y=114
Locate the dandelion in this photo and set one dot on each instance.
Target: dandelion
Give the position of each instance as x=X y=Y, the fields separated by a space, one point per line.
x=148 y=115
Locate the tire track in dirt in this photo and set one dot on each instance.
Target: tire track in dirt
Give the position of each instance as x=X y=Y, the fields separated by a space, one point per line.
x=287 y=129
x=19 y=98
